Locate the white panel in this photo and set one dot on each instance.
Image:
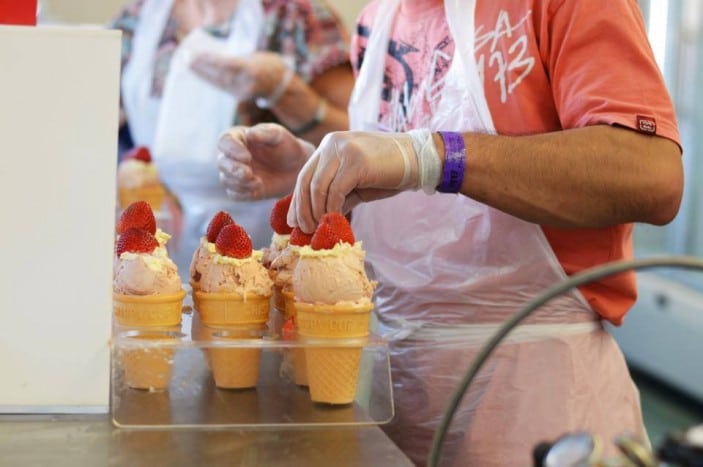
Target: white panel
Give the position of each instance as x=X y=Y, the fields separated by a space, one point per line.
x=59 y=91
x=663 y=333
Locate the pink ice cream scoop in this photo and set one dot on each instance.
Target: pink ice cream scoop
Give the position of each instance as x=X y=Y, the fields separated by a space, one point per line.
x=145 y=274
x=332 y=276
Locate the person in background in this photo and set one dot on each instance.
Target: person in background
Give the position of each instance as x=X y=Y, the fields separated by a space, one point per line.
x=557 y=135
x=192 y=68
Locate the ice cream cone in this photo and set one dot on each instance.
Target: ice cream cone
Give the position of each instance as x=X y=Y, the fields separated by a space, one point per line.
x=233 y=368
x=151 y=366
x=332 y=372
x=236 y=368
x=152 y=194
x=148 y=310
x=225 y=309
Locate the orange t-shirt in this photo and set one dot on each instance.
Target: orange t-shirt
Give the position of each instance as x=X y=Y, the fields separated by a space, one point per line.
x=546 y=66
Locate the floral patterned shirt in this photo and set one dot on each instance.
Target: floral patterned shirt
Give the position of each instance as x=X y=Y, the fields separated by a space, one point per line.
x=307 y=32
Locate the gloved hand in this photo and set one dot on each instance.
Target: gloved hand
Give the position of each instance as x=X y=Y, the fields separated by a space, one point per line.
x=261 y=161
x=353 y=167
x=257 y=75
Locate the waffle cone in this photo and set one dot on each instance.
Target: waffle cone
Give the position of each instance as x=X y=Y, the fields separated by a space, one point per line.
x=224 y=309
x=148 y=310
x=332 y=372
x=152 y=194
x=235 y=368
x=330 y=321
x=147 y=368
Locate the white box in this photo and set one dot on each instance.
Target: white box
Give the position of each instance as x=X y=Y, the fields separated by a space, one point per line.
x=59 y=95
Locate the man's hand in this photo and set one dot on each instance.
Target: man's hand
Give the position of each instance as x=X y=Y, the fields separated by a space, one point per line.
x=256 y=75
x=261 y=161
x=349 y=168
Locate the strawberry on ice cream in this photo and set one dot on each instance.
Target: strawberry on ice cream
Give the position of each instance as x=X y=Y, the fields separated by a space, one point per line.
x=138 y=179
x=332 y=300
x=234 y=288
x=235 y=267
x=203 y=255
x=147 y=289
x=284 y=264
x=281 y=230
x=142 y=266
x=234 y=292
x=139 y=215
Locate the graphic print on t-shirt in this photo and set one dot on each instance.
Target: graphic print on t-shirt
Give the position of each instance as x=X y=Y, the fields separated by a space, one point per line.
x=419 y=59
x=496 y=63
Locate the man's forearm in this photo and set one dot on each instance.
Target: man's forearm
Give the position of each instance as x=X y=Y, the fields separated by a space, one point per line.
x=588 y=177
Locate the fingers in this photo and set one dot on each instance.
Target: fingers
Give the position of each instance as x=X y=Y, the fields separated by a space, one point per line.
x=234 y=174
x=233 y=144
x=208 y=66
x=227 y=73
x=269 y=134
x=322 y=185
x=254 y=195
x=300 y=211
x=323 y=182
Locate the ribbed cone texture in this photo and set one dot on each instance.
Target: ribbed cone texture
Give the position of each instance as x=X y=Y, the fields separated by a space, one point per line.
x=152 y=194
x=148 y=310
x=235 y=368
x=223 y=309
x=333 y=372
x=147 y=368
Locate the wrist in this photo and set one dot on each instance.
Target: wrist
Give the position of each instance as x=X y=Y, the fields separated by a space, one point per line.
x=441 y=152
x=454 y=162
x=428 y=151
x=270 y=101
x=317 y=118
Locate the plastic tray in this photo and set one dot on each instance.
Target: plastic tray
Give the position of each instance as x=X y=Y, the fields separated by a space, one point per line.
x=165 y=378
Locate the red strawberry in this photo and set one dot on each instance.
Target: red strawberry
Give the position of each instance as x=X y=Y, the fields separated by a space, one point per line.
x=332 y=229
x=299 y=238
x=279 y=214
x=138 y=215
x=337 y=220
x=288 y=329
x=140 y=153
x=233 y=241
x=218 y=221
x=136 y=241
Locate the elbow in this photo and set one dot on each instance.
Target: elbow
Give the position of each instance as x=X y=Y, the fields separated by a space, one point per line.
x=667 y=208
x=667 y=193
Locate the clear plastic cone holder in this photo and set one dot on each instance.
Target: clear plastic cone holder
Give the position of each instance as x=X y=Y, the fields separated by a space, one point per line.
x=245 y=376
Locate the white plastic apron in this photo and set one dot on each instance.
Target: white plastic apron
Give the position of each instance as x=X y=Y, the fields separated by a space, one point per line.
x=449 y=269
x=183 y=126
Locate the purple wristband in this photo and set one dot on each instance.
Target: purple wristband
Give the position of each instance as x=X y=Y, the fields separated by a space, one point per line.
x=454 y=161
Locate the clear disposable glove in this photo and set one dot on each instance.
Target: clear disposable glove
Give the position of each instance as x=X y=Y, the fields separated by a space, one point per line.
x=256 y=75
x=260 y=162
x=352 y=167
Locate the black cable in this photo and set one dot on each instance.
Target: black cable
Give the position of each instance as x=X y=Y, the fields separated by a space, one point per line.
x=584 y=277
